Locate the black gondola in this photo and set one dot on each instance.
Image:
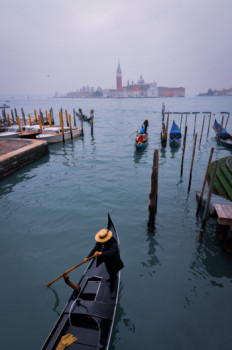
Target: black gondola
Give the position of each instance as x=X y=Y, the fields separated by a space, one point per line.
x=89 y=314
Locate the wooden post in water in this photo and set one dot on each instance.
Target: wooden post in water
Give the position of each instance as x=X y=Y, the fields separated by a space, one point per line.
x=222 y=121
x=181 y=120
x=23 y=115
x=92 y=116
x=190 y=175
x=204 y=183
x=19 y=123
x=70 y=127
x=186 y=119
x=195 y=118
x=50 y=119
x=74 y=117
x=153 y=195
x=40 y=124
x=46 y=113
x=163 y=135
x=35 y=113
x=62 y=124
x=167 y=122
x=206 y=210
x=209 y=122
x=8 y=117
x=12 y=115
x=184 y=144
x=66 y=115
x=16 y=114
x=202 y=128
x=227 y=119
x=29 y=118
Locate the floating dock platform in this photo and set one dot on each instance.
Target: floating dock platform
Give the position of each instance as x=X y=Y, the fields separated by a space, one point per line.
x=16 y=153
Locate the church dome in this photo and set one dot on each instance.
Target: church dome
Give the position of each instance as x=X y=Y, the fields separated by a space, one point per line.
x=141 y=80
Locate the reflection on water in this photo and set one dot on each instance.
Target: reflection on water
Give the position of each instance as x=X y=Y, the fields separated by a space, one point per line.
x=139 y=154
x=152 y=259
x=120 y=317
x=57 y=301
x=163 y=152
x=23 y=175
x=209 y=259
x=174 y=150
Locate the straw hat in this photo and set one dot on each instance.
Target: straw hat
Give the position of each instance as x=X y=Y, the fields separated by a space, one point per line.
x=103 y=235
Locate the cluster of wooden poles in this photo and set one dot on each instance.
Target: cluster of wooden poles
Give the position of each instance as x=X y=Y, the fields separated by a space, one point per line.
x=164 y=131
x=47 y=120
x=153 y=195
x=13 y=117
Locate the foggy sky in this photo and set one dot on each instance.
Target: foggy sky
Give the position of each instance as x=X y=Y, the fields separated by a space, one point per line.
x=61 y=45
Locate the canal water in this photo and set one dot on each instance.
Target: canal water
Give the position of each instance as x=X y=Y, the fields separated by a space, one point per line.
x=175 y=293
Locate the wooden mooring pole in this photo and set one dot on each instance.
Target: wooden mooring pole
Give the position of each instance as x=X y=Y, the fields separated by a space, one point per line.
x=186 y=118
x=181 y=120
x=12 y=116
x=202 y=129
x=227 y=119
x=195 y=119
x=19 y=124
x=70 y=126
x=153 y=195
x=204 y=183
x=92 y=116
x=208 y=201
x=209 y=122
x=191 y=169
x=167 y=122
x=74 y=117
x=61 y=124
x=8 y=117
x=184 y=144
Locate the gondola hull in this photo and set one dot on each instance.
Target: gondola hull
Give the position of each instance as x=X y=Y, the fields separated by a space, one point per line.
x=175 y=135
x=89 y=314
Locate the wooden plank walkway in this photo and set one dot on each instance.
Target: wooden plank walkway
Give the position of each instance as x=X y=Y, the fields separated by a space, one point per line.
x=224 y=214
x=215 y=199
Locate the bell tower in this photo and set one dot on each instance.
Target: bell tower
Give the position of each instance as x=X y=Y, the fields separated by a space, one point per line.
x=119 y=78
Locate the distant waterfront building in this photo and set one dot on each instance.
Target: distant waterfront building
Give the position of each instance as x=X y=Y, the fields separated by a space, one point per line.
x=141 y=89
x=133 y=90
x=210 y=92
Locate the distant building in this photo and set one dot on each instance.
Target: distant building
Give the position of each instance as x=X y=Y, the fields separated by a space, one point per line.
x=141 y=89
x=138 y=90
x=210 y=92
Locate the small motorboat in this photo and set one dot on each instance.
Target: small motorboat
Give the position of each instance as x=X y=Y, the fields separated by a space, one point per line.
x=54 y=134
x=89 y=314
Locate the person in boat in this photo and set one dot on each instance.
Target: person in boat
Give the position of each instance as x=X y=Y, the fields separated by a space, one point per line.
x=140 y=138
x=71 y=284
x=145 y=125
x=80 y=111
x=106 y=250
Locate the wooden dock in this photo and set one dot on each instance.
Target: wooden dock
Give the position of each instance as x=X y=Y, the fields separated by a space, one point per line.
x=215 y=200
x=16 y=153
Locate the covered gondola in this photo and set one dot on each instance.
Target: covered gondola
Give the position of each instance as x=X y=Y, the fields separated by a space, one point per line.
x=220 y=132
x=89 y=314
x=175 y=135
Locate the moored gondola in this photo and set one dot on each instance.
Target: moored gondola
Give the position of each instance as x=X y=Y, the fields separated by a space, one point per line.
x=220 y=132
x=175 y=135
x=89 y=314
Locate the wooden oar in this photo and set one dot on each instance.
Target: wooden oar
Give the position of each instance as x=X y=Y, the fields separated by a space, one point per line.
x=72 y=268
x=133 y=133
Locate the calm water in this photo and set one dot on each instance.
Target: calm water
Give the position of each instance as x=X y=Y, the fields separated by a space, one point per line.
x=175 y=293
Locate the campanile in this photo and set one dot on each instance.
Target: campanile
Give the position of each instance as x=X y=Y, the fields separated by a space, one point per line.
x=119 y=78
